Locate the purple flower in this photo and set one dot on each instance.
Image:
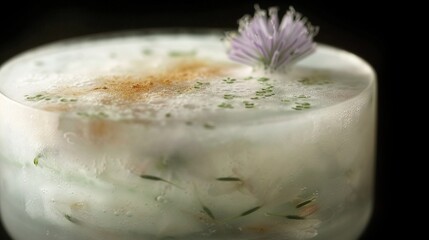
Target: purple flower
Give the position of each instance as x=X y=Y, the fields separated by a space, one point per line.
x=266 y=41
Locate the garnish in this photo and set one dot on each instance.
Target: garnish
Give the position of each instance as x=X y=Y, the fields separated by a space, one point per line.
x=301 y=105
x=96 y=115
x=295 y=217
x=36 y=159
x=233 y=179
x=208 y=125
x=228 y=96
x=155 y=178
x=208 y=212
x=292 y=217
x=229 y=80
x=314 y=81
x=182 y=53
x=268 y=42
x=199 y=84
x=263 y=79
x=72 y=219
x=248 y=104
x=46 y=97
x=302 y=204
x=225 y=105
x=250 y=211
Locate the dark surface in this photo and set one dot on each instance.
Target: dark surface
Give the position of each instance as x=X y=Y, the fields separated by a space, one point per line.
x=357 y=27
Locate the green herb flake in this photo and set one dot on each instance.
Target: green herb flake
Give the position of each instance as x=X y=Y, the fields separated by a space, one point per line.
x=295 y=217
x=208 y=126
x=209 y=212
x=229 y=80
x=248 y=78
x=248 y=104
x=36 y=159
x=155 y=178
x=150 y=177
x=320 y=80
x=35 y=98
x=72 y=219
x=263 y=79
x=199 y=84
x=228 y=96
x=182 y=53
x=252 y=210
x=225 y=105
x=302 y=204
x=230 y=179
x=168 y=115
x=254 y=98
x=260 y=93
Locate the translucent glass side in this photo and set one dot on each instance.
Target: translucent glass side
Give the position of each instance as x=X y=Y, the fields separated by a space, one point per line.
x=306 y=177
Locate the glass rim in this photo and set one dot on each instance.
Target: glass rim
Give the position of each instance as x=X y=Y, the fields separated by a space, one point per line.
x=372 y=80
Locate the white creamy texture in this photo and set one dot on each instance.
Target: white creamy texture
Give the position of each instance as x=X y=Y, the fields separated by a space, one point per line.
x=181 y=77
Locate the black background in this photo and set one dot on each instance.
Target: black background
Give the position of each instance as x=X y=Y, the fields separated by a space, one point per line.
x=360 y=27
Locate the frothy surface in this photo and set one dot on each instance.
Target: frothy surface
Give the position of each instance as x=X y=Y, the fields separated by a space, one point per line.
x=180 y=77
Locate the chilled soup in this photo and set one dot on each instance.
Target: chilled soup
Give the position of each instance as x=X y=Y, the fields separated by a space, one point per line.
x=161 y=136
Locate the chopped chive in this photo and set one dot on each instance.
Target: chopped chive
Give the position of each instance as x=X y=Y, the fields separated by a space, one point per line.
x=250 y=211
x=302 y=204
x=225 y=105
x=248 y=78
x=229 y=80
x=208 y=126
x=228 y=96
x=182 y=53
x=295 y=217
x=155 y=178
x=233 y=179
x=248 y=104
x=71 y=219
x=199 y=84
x=208 y=212
x=263 y=79
x=254 y=98
x=260 y=93
x=150 y=177
x=167 y=115
x=36 y=159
